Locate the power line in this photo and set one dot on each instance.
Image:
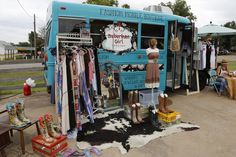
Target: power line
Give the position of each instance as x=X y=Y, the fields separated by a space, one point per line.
x=24 y=9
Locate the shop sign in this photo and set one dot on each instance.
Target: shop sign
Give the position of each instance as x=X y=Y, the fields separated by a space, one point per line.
x=118 y=38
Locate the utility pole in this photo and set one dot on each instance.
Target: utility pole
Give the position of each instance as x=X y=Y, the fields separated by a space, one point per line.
x=34 y=37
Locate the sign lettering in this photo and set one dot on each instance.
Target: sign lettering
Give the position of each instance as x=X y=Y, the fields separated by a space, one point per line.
x=133 y=15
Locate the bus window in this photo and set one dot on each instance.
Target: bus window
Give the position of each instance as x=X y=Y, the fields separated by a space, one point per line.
x=69 y=25
x=96 y=27
x=152 y=31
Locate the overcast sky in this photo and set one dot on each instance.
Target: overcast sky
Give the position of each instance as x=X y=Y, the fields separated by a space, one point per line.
x=15 y=24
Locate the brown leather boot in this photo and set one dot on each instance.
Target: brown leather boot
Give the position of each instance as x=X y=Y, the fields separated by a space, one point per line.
x=161 y=103
x=138 y=114
x=167 y=101
x=130 y=98
x=110 y=93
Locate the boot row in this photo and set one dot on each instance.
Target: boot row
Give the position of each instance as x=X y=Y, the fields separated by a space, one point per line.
x=17 y=117
x=48 y=128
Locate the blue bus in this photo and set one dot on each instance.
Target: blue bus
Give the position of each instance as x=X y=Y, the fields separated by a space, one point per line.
x=63 y=17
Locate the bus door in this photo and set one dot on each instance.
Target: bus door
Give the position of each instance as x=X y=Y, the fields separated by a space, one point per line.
x=178 y=60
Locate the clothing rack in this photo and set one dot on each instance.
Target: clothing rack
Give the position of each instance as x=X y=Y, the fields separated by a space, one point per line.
x=73 y=38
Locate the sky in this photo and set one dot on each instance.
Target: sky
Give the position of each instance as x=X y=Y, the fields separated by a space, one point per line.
x=15 y=23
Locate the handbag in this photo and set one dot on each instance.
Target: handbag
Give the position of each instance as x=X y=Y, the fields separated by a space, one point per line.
x=174 y=44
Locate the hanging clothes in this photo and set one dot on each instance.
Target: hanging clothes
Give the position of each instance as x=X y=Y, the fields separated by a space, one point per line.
x=65 y=106
x=71 y=101
x=204 y=51
x=74 y=72
x=208 y=56
x=213 y=57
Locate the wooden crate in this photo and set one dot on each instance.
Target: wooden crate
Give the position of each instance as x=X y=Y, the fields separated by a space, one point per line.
x=168 y=117
x=49 y=149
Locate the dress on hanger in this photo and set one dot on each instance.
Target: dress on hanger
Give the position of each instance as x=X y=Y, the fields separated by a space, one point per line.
x=152 y=70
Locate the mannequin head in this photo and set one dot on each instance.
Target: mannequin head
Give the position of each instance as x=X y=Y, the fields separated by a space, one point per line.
x=153 y=43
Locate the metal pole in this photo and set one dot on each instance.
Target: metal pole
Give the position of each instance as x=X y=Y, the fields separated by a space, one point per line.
x=34 y=37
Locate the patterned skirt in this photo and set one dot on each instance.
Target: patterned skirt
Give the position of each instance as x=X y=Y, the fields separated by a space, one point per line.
x=152 y=75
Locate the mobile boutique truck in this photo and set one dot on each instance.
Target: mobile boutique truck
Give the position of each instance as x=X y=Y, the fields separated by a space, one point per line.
x=121 y=37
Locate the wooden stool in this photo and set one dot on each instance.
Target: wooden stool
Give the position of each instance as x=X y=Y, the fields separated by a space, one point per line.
x=5 y=121
x=4 y=139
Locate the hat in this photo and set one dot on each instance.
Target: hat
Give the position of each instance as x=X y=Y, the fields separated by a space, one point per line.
x=224 y=61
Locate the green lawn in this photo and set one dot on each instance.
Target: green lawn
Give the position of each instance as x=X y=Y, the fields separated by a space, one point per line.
x=232 y=66
x=20 y=83
x=20 y=91
x=21 y=74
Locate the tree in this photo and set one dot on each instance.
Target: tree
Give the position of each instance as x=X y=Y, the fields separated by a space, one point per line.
x=125 y=6
x=181 y=8
x=231 y=24
x=39 y=40
x=42 y=32
x=23 y=44
x=103 y=2
x=227 y=42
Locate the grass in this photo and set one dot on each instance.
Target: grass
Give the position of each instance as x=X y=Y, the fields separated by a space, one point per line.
x=19 y=91
x=232 y=66
x=21 y=74
x=19 y=83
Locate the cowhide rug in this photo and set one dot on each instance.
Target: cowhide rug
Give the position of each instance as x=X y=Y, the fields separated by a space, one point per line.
x=113 y=130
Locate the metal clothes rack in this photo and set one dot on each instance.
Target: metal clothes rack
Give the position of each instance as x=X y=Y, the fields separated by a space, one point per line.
x=71 y=38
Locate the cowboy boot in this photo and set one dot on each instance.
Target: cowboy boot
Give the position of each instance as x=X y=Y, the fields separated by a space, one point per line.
x=137 y=106
x=138 y=114
x=110 y=93
x=161 y=103
x=130 y=98
x=21 y=113
x=50 y=126
x=116 y=93
x=44 y=130
x=133 y=114
x=13 y=119
x=166 y=102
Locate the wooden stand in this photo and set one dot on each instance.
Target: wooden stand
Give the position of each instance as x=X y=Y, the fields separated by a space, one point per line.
x=4 y=139
x=5 y=121
x=49 y=149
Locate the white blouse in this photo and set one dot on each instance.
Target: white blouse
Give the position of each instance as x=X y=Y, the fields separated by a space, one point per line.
x=150 y=50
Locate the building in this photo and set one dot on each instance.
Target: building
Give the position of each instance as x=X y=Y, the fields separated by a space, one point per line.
x=6 y=48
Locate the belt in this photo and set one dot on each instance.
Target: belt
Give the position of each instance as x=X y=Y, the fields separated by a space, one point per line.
x=152 y=61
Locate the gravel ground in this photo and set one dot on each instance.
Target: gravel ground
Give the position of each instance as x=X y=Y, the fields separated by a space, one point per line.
x=215 y=115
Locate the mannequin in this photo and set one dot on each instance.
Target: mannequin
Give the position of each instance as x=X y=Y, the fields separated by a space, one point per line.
x=152 y=74
x=153 y=77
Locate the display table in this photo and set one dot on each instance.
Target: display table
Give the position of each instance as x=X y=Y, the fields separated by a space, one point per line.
x=232 y=86
x=5 y=121
x=4 y=138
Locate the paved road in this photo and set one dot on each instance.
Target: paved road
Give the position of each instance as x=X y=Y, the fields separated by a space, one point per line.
x=227 y=57
x=20 y=66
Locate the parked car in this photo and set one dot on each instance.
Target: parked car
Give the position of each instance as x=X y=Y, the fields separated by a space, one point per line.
x=224 y=52
x=28 y=56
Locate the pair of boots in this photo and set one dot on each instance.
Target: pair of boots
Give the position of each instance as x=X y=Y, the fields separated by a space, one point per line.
x=134 y=107
x=16 y=113
x=163 y=102
x=113 y=92
x=47 y=128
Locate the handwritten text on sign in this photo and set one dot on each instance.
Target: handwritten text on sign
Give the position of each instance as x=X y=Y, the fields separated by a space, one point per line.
x=117 y=39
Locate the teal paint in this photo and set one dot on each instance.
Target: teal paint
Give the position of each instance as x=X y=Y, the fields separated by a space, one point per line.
x=75 y=10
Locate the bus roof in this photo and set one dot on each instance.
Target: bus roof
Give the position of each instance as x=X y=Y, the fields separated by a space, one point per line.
x=69 y=9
